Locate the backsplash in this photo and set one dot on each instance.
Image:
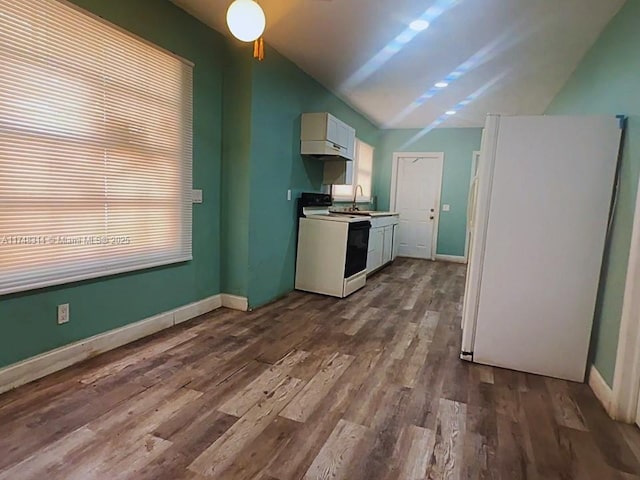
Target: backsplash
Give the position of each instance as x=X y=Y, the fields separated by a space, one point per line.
x=362 y=206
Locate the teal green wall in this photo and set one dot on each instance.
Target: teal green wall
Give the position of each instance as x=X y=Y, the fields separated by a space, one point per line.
x=28 y=320
x=236 y=160
x=281 y=93
x=458 y=145
x=607 y=81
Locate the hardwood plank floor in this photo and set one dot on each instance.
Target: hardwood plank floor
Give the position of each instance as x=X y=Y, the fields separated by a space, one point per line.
x=369 y=387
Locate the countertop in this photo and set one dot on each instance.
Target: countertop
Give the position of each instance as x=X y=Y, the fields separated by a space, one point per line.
x=366 y=213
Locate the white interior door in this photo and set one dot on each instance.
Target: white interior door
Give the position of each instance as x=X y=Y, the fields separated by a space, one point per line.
x=418 y=180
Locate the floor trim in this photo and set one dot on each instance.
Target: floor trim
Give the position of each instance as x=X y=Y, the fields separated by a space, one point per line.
x=49 y=362
x=451 y=258
x=601 y=390
x=235 y=302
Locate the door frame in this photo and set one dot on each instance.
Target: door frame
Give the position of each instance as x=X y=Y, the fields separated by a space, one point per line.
x=439 y=157
x=475 y=160
x=626 y=381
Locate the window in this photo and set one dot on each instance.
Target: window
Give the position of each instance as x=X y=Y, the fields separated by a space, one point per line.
x=95 y=148
x=363 y=171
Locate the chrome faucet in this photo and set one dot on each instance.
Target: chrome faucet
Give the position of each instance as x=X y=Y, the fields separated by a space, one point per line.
x=354 y=207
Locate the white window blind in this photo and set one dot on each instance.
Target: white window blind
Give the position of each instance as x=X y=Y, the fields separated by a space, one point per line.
x=95 y=148
x=362 y=175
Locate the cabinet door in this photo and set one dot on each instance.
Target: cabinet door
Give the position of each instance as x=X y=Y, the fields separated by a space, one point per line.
x=333 y=130
x=343 y=134
x=346 y=135
x=348 y=174
x=387 y=244
x=351 y=143
x=396 y=243
x=376 y=245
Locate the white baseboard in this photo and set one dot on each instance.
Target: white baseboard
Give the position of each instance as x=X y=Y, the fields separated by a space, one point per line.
x=601 y=390
x=234 y=302
x=49 y=362
x=451 y=258
x=193 y=310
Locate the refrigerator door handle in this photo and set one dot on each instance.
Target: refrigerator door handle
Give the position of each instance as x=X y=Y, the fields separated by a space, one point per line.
x=478 y=211
x=471 y=203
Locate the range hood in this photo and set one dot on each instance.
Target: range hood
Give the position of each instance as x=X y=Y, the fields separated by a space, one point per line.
x=325 y=151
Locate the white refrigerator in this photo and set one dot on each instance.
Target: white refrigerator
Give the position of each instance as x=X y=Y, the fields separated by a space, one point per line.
x=538 y=214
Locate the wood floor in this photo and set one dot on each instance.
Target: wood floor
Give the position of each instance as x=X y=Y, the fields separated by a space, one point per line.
x=311 y=387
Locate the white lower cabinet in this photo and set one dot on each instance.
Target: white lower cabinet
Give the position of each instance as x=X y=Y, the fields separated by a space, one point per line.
x=387 y=244
x=376 y=244
x=382 y=242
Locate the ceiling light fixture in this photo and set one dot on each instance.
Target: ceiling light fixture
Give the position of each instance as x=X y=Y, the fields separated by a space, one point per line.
x=451 y=112
x=404 y=37
x=436 y=9
x=441 y=85
x=419 y=25
x=246 y=20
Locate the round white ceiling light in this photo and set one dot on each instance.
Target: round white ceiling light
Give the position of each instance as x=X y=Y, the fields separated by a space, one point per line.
x=419 y=25
x=246 y=20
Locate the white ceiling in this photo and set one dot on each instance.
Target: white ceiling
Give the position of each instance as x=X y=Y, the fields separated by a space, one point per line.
x=514 y=55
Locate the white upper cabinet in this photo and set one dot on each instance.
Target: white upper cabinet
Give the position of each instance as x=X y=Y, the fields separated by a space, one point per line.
x=324 y=136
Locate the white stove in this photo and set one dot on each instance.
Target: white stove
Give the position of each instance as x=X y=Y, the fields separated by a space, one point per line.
x=332 y=248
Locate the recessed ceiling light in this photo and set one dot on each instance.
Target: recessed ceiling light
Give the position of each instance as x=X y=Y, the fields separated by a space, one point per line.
x=419 y=25
x=441 y=85
x=450 y=112
x=404 y=37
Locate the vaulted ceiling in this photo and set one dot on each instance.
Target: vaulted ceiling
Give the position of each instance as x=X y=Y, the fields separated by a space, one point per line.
x=498 y=56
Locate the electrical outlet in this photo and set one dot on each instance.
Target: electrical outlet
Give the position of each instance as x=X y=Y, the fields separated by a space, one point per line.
x=63 y=313
x=446 y=208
